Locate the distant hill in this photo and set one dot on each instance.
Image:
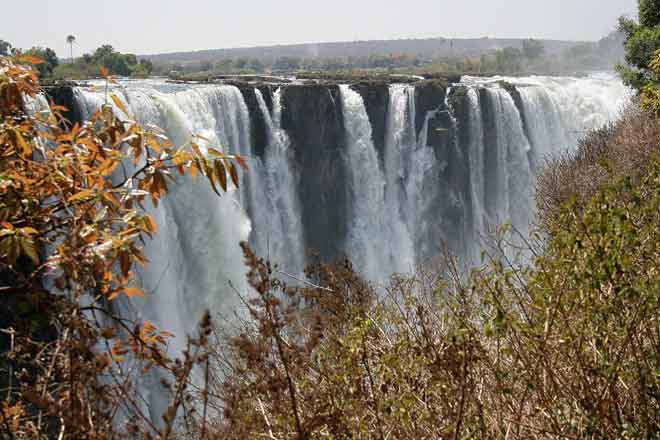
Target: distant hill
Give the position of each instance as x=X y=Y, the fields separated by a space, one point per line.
x=429 y=47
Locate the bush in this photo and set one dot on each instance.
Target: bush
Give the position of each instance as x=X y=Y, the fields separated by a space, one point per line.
x=568 y=347
x=621 y=149
x=70 y=238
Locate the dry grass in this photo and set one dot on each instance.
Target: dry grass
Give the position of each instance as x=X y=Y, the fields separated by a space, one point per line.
x=621 y=149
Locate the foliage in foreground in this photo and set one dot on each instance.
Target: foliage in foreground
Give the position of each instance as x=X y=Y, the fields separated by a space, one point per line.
x=567 y=349
x=621 y=149
x=70 y=240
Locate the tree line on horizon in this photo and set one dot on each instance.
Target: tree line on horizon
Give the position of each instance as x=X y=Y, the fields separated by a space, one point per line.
x=89 y=65
x=530 y=57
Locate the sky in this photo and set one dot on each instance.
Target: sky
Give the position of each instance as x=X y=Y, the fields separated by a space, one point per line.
x=158 y=26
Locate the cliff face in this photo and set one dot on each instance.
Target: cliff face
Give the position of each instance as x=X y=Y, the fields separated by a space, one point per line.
x=429 y=95
x=451 y=206
x=312 y=115
x=63 y=95
x=258 y=129
x=376 y=96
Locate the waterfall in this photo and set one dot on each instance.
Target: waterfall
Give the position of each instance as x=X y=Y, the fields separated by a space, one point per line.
x=401 y=191
x=509 y=141
x=277 y=218
x=378 y=241
x=400 y=142
x=419 y=190
x=513 y=173
x=475 y=153
x=422 y=184
x=548 y=133
x=196 y=253
x=470 y=166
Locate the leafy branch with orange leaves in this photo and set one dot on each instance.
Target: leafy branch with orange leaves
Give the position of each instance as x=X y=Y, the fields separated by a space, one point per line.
x=71 y=235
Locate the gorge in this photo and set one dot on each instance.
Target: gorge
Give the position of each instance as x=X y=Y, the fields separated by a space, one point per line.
x=389 y=174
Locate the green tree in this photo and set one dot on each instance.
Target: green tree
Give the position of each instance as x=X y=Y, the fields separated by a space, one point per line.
x=147 y=66
x=649 y=13
x=49 y=58
x=71 y=39
x=102 y=52
x=642 y=42
x=143 y=68
x=116 y=62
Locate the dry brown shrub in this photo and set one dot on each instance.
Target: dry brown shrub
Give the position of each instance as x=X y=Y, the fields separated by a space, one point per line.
x=623 y=148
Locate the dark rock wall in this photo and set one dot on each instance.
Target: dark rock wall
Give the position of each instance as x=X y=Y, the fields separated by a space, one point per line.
x=452 y=205
x=258 y=129
x=376 y=96
x=313 y=118
x=429 y=95
x=63 y=95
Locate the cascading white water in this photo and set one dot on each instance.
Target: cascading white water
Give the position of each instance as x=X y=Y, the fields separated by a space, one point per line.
x=399 y=205
x=406 y=165
x=400 y=143
x=196 y=253
x=515 y=180
x=378 y=241
x=277 y=219
x=562 y=109
x=554 y=114
x=476 y=161
x=421 y=185
x=398 y=200
x=195 y=256
x=547 y=132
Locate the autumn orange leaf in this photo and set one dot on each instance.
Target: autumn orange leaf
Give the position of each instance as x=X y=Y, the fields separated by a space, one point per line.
x=150 y=223
x=31 y=59
x=119 y=103
x=221 y=173
x=133 y=292
x=241 y=161
x=82 y=195
x=233 y=174
x=25 y=146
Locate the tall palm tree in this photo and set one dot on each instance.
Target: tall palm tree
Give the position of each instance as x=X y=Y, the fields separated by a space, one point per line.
x=71 y=39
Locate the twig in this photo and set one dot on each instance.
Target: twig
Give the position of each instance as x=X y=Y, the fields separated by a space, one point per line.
x=327 y=289
x=263 y=413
